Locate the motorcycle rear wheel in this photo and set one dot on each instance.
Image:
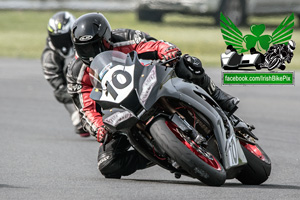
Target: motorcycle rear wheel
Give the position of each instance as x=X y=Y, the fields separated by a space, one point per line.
x=257 y=169
x=186 y=157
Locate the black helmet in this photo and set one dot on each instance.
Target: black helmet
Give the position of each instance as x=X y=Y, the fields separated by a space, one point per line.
x=91 y=34
x=59 y=31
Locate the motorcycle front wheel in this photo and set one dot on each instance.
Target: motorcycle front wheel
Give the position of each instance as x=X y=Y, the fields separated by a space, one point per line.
x=194 y=159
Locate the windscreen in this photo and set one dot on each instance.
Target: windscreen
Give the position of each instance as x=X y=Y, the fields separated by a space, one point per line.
x=102 y=63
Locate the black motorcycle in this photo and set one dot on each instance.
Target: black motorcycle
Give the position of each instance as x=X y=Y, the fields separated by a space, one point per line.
x=175 y=123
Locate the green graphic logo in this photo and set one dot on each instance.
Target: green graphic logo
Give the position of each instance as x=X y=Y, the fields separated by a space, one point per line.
x=233 y=36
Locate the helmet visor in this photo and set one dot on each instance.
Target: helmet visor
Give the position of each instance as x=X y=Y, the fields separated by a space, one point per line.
x=61 y=41
x=88 y=50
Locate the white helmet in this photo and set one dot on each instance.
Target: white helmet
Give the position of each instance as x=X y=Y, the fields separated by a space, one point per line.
x=291 y=45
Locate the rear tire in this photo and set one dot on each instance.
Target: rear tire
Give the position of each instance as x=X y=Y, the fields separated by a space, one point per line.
x=256 y=171
x=187 y=159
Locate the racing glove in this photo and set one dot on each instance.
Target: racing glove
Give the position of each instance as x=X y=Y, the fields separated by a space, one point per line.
x=102 y=134
x=169 y=52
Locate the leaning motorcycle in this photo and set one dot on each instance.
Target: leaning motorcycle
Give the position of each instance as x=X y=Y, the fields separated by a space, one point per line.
x=175 y=123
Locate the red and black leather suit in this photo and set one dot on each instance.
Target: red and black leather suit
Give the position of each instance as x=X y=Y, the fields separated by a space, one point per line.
x=116 y=160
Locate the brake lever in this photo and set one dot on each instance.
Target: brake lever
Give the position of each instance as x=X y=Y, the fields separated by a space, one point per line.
x=167 y=63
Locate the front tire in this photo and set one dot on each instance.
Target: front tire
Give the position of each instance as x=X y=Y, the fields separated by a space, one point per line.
x=187 y=158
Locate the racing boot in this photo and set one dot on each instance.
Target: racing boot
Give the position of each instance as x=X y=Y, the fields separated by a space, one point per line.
x=227 y=102
x=81 y=132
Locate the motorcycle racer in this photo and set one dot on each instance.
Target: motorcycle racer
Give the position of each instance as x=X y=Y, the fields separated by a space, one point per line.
x=91 y=35
x=55 y=57
x=278 y=54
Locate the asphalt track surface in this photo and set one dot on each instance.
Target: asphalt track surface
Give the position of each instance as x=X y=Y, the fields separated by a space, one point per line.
x=42 y=158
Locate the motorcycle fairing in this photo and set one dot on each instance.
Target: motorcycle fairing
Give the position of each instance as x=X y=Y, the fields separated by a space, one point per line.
x=160 y=82
x=229 y=146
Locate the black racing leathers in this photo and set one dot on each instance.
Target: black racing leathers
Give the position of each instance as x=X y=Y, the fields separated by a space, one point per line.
x=54 y=66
